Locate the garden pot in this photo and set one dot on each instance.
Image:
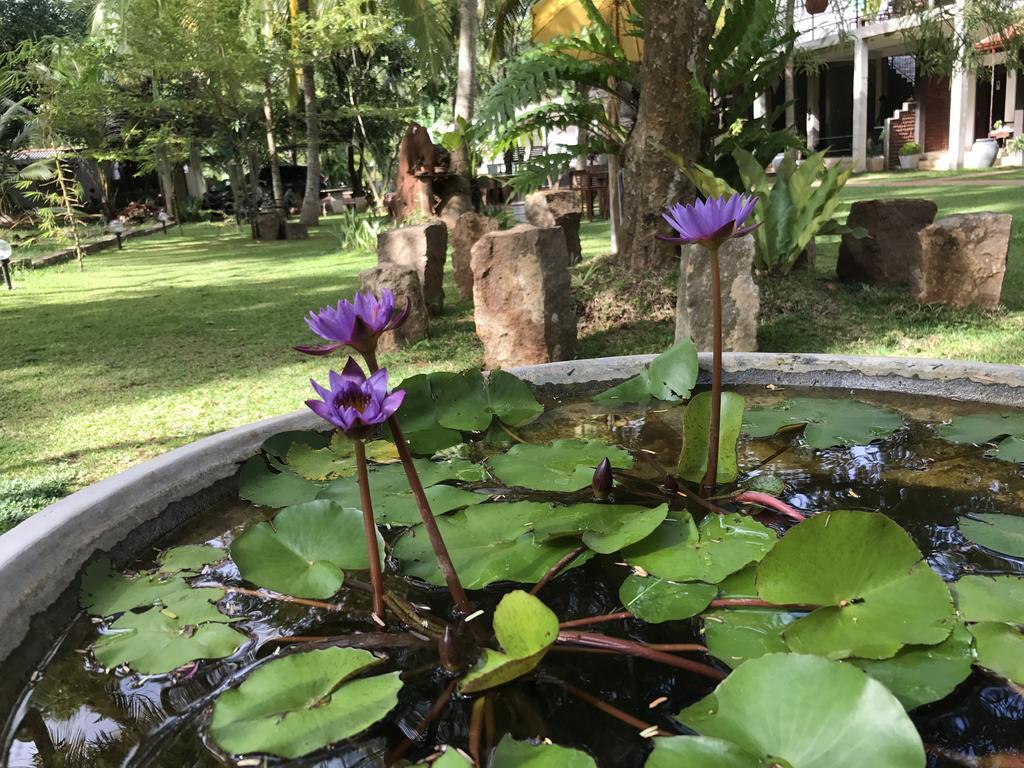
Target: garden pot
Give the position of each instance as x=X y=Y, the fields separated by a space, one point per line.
x=875 y=164
x=815 y=6
x=909 y=162
x=983 y=153
x=125 y=516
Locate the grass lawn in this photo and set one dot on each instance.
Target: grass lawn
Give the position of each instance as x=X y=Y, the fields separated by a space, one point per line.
x=184 y=335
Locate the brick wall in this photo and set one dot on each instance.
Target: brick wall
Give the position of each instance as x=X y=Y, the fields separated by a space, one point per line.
x=936 y=114
x=901 y=129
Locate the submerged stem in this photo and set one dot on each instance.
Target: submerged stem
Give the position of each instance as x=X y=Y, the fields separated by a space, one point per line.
x=768 y=502
x=711 y=478
x=609 y=709
x=586 y=620
x=370 y=531
x=631 y=648
x=439 y=705
x=557 y=568
x=268 y=595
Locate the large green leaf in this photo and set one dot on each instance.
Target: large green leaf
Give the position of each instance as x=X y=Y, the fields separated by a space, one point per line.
x=810 y=712
x=693 y=461
x=469 y=402
x=1000 y=647
x=104 y=591
x=299 y=703
x=260 y=485
x=828 y=422
x=876 y=591
x=418 y=415
x=305 y=551
x=190 y=557
x=563 y=465
x=336 y=460
x=699 y=752
x=921 y=674
x=525 y=754
x=525 y=628
x=671 y=376
x=656 y=600
x=738 y=635
x=680 y=550
x=990 y=598
x=487 y=543
x=1005 y=428
x=195 y=605
x=153 y=643
x=604 y=528
x=278 y=445
x=1000 y=533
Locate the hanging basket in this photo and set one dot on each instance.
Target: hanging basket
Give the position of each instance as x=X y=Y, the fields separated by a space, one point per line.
x=815 y=6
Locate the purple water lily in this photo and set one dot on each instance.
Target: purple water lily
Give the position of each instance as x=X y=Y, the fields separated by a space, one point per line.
x=710 y=222
x=354 y=403
x=357 y=324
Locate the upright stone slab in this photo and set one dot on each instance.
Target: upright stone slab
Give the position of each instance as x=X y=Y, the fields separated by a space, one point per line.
x=268 y=226
x=962 y=260
x=405 y=284
x=558 y=208
x=741 y=298
x=423 y=248
x=469 y=228
x=295 y=230
x=886 y=254
x=523 y=305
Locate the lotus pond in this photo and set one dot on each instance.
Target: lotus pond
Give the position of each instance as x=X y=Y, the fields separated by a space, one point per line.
x=619 y=618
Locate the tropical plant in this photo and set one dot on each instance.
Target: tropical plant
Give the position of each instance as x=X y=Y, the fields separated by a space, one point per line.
x=17 y=123
x=910 y=148
x=794 y=206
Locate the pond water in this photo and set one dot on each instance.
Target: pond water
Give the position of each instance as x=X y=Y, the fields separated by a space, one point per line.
x=78 y=714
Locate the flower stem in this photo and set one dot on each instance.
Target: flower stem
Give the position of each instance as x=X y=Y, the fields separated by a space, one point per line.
x=439 y=705
x=555 y=569
x=631 y=648
x=444 y=559
x=609 y=709
x=768 y=502
x=370 y=531
x=711 y=478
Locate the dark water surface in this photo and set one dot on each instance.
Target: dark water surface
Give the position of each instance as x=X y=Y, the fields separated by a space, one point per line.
x=77 y=714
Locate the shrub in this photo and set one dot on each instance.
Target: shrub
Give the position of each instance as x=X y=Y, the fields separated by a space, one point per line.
x=910 y=148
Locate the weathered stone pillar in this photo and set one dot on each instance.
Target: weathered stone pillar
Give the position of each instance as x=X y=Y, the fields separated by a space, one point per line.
x=405 y=284
x=469 y=228
x=422 y=247
x=558 y=208
x=962 y=260
x=887 y=252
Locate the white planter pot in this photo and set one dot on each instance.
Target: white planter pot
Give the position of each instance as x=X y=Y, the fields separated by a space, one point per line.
x=875 y=164
x=909 y=162
x=983 y=153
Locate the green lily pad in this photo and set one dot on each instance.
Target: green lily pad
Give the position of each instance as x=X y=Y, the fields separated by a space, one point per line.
x=699 y=752
x=656 y=600
x=693 y=461
x=1005 y=428
x=153 y=643
x=876 y=591
x=856 y=722
x=190 y=557
x=828 y=422
x=195 y=605
x=278 y=445
x=921 y=674
x=526 y=754
x=469 y=402
x=1000 y=533
x=305 y=551
x=299 y=703
x=105 y=592
x=1000 y=648
x=418 y=415
x=990 y=598
x=487 y=543
x=680 y=550
x=261 y=485
x=740 y=584
x=737 y=635
x=563 y=465
x=604 y=528
x=451 y=758
x=670 y=376
x=336 y=460
x=526 y=629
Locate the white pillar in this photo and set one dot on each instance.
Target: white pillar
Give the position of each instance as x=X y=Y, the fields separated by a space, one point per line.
x=813 y=111
x=1011 y=100
x=958 y=102
x=860 y=104
x=760 y=106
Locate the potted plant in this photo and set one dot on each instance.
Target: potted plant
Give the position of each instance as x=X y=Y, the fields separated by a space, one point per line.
x=815 y=6
x=910 y=155
x=876 y=154
x=1016 y=149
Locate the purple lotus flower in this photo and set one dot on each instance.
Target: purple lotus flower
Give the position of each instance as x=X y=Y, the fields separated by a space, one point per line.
x=357 y=325
x=710 y=222
x=354 y=403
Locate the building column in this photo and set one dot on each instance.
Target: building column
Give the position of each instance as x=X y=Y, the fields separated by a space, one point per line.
x=760 y=105
x=860 y=104
x=958 y=103
x=813 y=111
x=1011 y=100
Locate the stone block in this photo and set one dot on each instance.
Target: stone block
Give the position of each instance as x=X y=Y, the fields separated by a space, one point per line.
x=405 y=284
x=469 y=228
x=268 y=226
x=886 y=254
x=424 y=248
x=558 y=208
x=741 y=298
x=522 y=295
x=295 y=230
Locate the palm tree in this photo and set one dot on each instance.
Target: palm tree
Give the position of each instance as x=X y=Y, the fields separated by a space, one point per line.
x=310 y=213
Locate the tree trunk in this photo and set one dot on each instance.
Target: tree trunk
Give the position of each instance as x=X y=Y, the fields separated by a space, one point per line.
x=237 y=177
x=461 y=200
x=788 y=75
x=164 y=172
x=676 y=35
x=195 y=181
x=310 y=214
x=275 y=162
x=355 y=172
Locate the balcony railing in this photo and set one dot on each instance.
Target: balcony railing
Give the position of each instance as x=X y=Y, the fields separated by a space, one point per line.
x=846 y=15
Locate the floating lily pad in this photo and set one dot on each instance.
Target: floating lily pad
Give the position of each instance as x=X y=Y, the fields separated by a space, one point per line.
x=693 y=461
x=1005 y=428
x=526 y=754
x=451 y=758
x=656 y=600
x=299 y=703
x=990 y=598
x=670 y=376
x=1000 y=533
x=195 y=606
x=876 y=591
x=418 y=415
x=105 y=591
x=336 y=460
x=699 y=752
x=563 y=465
x=854 y=722
x=153 y=643
x=190 y=557
x=828 y=422
x=680 y=550
x=305 y=551
x=740 y=584
x=921 y=674
x=487 y=543
x=469 y=402
x=261 y=485
x=604 y=528
x=525 y=628
x=737 y=635
x=1000 y=648
x=278 y=445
